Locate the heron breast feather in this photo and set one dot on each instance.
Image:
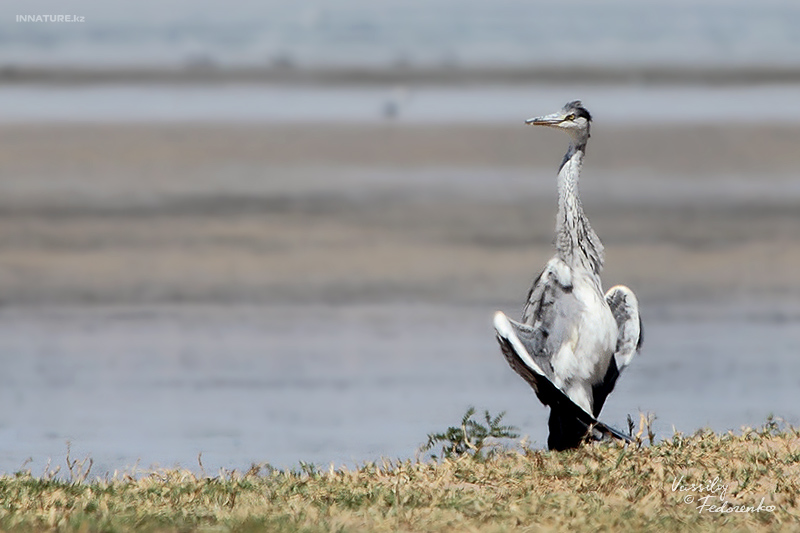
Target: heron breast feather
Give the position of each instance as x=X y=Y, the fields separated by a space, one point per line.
x=587 y=342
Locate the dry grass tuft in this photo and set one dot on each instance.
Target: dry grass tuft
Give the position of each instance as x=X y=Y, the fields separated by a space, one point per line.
x=599 y=487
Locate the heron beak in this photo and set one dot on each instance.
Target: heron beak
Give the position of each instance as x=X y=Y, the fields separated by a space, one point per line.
x=548 y=120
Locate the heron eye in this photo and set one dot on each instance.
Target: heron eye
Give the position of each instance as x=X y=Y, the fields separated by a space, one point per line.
x=571 y=116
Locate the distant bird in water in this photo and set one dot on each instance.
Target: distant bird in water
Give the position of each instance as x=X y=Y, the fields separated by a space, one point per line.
x=573 y=341
x=395 y=102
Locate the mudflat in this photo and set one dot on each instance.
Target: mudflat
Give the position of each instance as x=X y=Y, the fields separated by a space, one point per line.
x=331 y=213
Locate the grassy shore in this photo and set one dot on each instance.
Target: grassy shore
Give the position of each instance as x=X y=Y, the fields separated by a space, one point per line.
x=600 y=487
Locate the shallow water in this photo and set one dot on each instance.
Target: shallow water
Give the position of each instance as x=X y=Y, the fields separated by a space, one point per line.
x=254 y=103
x=158 y=386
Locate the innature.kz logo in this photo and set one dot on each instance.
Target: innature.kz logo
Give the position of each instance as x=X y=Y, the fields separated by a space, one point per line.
x=51 y=18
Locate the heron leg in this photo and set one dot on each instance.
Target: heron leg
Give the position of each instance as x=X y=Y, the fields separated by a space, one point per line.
x=566 y=431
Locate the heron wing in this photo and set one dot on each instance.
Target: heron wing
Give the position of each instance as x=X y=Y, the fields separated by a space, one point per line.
x=529 y=346
x=550 y=287
x=520 y=345
x=625 y=308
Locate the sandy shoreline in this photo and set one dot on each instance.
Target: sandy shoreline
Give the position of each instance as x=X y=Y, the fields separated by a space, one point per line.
x=131 y=214
x=30 y=148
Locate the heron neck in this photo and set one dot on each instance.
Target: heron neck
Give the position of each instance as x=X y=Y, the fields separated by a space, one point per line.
x=576 y=243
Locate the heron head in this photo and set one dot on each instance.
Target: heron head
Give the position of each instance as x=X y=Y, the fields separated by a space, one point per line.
x=573 y=117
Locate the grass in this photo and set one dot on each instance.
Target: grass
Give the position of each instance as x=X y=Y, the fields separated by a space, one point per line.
x=471 y=437
x=599 y=487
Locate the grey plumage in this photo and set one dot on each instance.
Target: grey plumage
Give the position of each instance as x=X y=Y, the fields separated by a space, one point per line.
x=573 y=341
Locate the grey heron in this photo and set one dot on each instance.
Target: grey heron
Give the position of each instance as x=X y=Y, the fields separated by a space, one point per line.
x=573 y=341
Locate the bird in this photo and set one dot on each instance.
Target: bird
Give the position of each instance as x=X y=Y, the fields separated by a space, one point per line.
x=396 y=102
x=573 y=340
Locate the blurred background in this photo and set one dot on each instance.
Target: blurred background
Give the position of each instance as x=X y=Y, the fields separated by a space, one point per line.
x=278 y=231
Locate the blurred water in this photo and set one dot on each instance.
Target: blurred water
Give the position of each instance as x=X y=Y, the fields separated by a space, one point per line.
x=396 y=32
x=628 y=104
x=158 y=386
